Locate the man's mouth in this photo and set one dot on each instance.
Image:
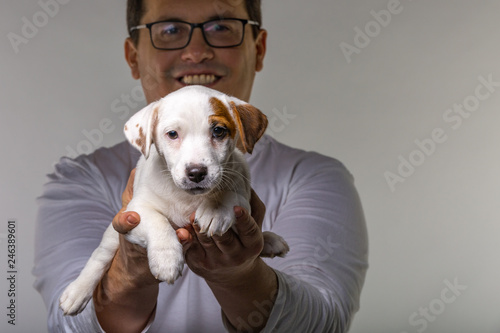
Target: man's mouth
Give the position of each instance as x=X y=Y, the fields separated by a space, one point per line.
x=204 y=79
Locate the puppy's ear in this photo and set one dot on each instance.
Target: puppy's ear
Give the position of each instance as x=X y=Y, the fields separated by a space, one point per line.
x=140 y=128
x=251 y=123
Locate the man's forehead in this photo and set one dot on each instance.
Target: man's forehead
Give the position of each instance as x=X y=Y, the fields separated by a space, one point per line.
x=195 y=11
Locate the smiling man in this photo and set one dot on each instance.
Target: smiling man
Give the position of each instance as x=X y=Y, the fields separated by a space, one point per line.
x=164 y=67
x=307 y=198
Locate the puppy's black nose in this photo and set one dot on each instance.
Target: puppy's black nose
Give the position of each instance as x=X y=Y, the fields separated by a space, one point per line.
x=196 y=173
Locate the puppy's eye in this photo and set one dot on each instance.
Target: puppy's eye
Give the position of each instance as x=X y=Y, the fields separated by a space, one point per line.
x=172 y=135
x=219 y=132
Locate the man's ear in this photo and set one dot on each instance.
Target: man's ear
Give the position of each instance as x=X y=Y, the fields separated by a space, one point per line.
x=260 y=45
x=251 y=124
x=131 y=58
x=140 y=128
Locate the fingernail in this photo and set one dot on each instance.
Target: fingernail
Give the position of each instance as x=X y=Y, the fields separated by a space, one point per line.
x=238 y=212
x=132 y=220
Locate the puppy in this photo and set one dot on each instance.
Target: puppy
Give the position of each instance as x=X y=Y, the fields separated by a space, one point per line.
x=193 y=143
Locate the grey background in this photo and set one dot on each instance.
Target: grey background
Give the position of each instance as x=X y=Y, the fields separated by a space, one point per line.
x=439 y=226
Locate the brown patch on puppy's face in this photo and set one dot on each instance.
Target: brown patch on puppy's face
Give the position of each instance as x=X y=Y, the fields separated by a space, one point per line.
x=221 y=117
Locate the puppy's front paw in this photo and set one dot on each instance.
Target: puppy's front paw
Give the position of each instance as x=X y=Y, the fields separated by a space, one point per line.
x=274 y=245
x=213 y=219
x=75 y=297
x=166 y=262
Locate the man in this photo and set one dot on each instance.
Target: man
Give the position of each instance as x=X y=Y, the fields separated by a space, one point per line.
x=310 y=201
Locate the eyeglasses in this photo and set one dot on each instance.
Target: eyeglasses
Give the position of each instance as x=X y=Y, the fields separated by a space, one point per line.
x=175 y=35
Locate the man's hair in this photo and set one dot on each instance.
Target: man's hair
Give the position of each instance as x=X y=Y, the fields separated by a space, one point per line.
x=135 y=11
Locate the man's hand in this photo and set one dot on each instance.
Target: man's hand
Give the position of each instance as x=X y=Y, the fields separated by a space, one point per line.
x=227 y=258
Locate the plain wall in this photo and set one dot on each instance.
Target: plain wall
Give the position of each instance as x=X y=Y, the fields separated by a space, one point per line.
x=402 y=100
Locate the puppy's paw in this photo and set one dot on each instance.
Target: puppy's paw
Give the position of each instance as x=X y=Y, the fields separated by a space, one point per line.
x=75 y=297
x=213 y=219
x=166 y=262
x=274 y=245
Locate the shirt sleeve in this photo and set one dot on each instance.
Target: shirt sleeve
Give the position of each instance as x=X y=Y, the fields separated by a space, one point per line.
x=77 y=205
x=320 y=279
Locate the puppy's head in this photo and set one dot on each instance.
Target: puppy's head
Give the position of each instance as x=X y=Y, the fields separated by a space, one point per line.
x=195 y=130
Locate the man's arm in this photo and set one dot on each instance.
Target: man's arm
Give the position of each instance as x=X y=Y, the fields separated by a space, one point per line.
x=76 y=206
x=321 y=217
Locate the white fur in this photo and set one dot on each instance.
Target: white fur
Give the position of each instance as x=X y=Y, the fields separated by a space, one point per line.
x=165 y=196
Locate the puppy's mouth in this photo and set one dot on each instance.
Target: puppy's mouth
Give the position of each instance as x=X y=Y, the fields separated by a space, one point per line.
x=201 y=79
x=198 y=190
x=203 y=188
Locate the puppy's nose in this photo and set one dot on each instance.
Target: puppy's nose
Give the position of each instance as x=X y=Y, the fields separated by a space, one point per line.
x=196 y=173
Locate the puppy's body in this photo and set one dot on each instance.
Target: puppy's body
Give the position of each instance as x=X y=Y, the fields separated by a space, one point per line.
x=190 y=163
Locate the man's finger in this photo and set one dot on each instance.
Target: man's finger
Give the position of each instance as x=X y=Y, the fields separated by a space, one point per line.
x=125 y=221
x=248 y=230
x=258 y=208
x=184 y=236
x=228 y=243
x=204 y=239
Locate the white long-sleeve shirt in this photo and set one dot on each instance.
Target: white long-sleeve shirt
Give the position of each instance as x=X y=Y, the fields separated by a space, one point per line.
x=311 y=202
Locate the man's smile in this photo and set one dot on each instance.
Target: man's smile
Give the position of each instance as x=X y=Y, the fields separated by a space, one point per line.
x=204 y=79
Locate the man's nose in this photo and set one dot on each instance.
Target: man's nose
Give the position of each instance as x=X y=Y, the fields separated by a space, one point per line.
x=197 y=50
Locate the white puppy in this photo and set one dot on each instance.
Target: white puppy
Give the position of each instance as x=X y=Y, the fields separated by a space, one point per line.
x=193 y=143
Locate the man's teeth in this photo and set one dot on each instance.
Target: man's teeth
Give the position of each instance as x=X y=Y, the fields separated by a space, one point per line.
x=198 y=79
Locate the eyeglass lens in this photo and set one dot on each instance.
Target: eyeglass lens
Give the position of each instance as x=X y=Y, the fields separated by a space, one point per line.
x=218 y=33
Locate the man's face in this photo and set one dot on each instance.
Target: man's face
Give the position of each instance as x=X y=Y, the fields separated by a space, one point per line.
x=162 y=72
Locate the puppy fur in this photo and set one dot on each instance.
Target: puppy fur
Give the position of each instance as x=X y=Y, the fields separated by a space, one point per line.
x=193 y=143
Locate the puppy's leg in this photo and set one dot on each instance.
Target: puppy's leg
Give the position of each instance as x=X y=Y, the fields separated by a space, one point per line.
x=274 y=245
x=165 y=256
x=78 y=293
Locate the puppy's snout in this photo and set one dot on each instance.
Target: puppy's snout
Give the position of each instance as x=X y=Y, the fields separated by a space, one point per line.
x=196 y=173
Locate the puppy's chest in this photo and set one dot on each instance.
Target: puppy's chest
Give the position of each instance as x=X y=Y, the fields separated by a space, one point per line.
x=177 y=210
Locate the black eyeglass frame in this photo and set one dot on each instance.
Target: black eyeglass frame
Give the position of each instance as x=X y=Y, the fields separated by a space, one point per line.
x=193 y=26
